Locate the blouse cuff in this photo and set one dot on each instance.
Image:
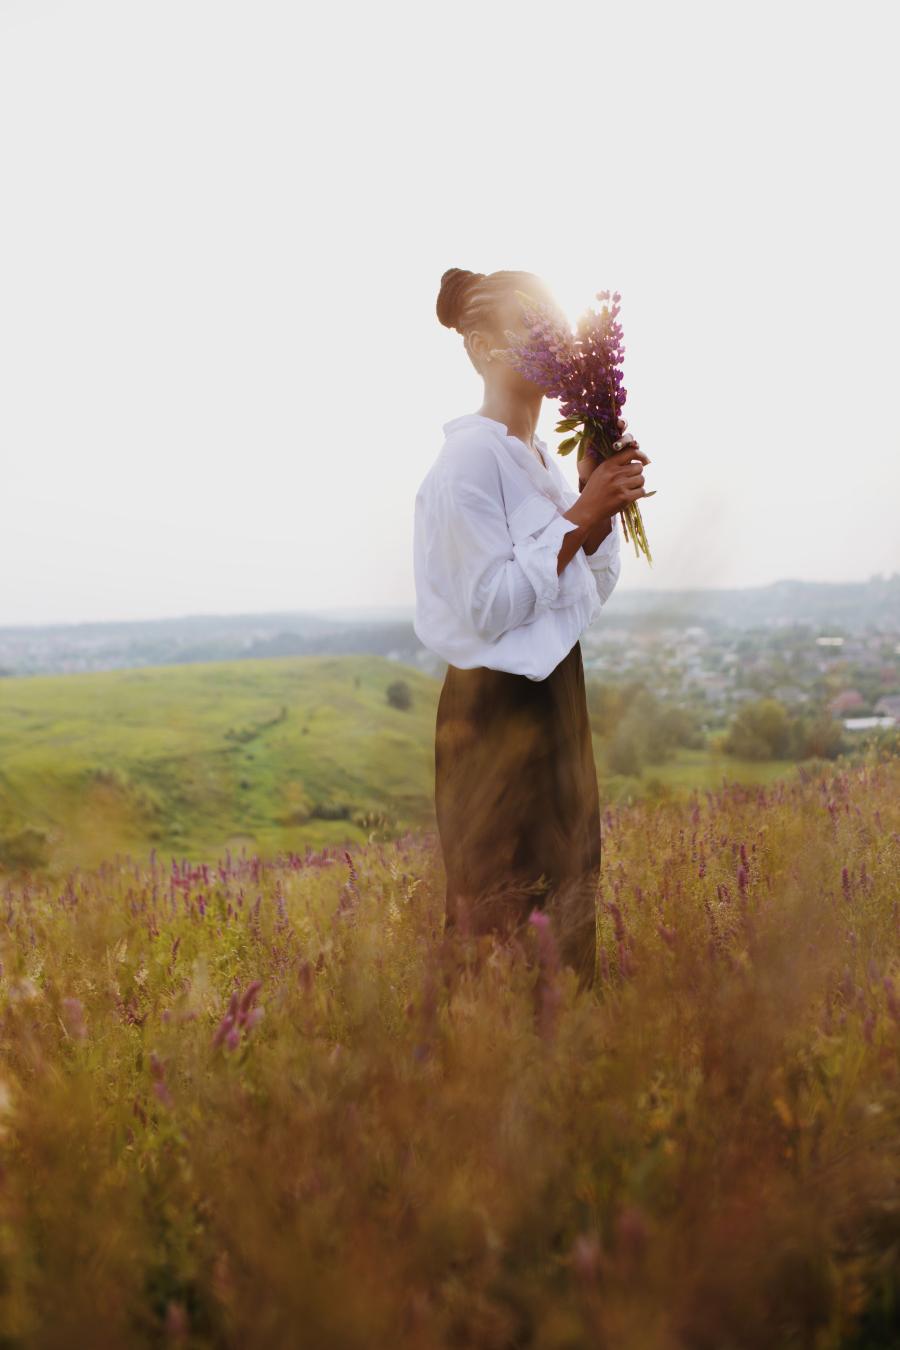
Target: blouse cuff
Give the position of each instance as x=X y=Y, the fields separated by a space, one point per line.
x=607 y=551
x=538 y=556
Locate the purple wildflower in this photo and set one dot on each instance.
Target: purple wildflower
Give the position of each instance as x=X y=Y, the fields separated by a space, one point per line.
x=241 y=1016
x=160 y=1086
x=73 y=1018
x=547 y=990
x=584 y=371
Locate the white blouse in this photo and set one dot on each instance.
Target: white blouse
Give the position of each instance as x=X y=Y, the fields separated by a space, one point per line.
x=489 y=525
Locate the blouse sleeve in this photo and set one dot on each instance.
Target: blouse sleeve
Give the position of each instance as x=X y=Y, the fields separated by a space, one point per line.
x=606 y=562
x=491 y=582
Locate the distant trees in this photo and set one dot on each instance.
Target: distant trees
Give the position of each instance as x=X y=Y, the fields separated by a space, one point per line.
x=638 y=727
x=24 y=850
x=399 y=695
x=764 y=729
x=759 y=730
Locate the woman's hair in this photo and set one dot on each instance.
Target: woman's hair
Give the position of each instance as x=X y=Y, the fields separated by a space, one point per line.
x=468 y=300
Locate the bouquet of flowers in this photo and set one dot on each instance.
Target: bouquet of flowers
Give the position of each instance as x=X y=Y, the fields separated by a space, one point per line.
x=584 y=371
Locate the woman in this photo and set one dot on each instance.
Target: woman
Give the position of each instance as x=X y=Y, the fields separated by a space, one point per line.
x=511 y=565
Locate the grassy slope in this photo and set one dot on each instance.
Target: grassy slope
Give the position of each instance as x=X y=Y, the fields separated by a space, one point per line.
x=121 y=760
x=181 y=757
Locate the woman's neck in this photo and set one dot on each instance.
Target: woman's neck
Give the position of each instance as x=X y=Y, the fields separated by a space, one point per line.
x=518 y=413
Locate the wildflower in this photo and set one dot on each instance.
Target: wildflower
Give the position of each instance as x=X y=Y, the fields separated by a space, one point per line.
x=547 y=991
x=583 y=370
x=6 y=1108
x=626 y=965
x=667 y=934
x=176 y=1321
x=585 y=1257
x=73 y=1018
x=240 y=1017
x=618 y=921
x=160 y=1086
x=893 y=1002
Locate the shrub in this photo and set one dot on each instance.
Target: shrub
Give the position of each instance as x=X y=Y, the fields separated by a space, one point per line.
x=399 y=695
x=760 y=730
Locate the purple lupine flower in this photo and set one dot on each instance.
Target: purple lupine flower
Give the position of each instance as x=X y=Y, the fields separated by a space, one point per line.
x=626 y=965
x=547 y=990
x=667 y=934
x=618 y=922
x=583 y=370
x=160 y=1086
x=893 y=1002
x=240 y=1017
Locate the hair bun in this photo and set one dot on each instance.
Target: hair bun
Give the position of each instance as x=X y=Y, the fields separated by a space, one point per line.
x=454 y=284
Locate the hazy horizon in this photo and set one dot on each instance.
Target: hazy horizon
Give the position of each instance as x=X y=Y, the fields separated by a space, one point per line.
x=222 y=239
x=406 y=612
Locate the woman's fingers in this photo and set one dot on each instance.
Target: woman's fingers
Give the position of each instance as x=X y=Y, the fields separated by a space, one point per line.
x=629 y=453
x=632 y=475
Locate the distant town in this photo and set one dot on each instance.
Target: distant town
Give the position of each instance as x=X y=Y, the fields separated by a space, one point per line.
x=855 y=678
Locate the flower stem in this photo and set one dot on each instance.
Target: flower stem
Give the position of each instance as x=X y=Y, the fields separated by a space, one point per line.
x=593 y=434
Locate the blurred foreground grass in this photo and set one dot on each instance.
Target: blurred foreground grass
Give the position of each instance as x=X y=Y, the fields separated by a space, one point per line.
x=266 y=1104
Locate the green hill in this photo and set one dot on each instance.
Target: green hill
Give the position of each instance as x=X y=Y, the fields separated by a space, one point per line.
x=275 y=754
x=272 y=754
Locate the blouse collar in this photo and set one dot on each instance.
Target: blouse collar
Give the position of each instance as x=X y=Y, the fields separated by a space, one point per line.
x=547 y=480
x=514 y=441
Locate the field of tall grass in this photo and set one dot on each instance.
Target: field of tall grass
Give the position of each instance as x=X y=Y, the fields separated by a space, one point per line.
x=268 y=1104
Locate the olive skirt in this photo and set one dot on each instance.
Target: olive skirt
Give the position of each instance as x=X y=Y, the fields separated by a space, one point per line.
x=517 y=804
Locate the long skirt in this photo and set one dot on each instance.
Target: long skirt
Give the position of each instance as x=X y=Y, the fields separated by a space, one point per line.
x=517 y=805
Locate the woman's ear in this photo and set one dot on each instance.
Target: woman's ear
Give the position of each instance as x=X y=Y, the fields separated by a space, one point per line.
x=480 y=345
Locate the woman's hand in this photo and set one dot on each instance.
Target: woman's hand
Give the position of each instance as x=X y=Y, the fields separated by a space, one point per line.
x=589 y=461
x=613 y=484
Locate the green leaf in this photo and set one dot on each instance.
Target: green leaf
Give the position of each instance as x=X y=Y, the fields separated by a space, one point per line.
x=567 y=445
x=568 y=424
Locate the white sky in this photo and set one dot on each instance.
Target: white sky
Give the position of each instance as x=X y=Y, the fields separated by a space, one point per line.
x=222 y=229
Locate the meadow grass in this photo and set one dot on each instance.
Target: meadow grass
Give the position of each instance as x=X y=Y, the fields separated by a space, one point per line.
x=197 y=758
x=274 y=755
x=266 y=1103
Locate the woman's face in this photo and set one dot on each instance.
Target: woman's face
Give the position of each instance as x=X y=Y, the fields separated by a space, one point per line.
x=511 y=319
x=509 y=310
x=508 y=317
